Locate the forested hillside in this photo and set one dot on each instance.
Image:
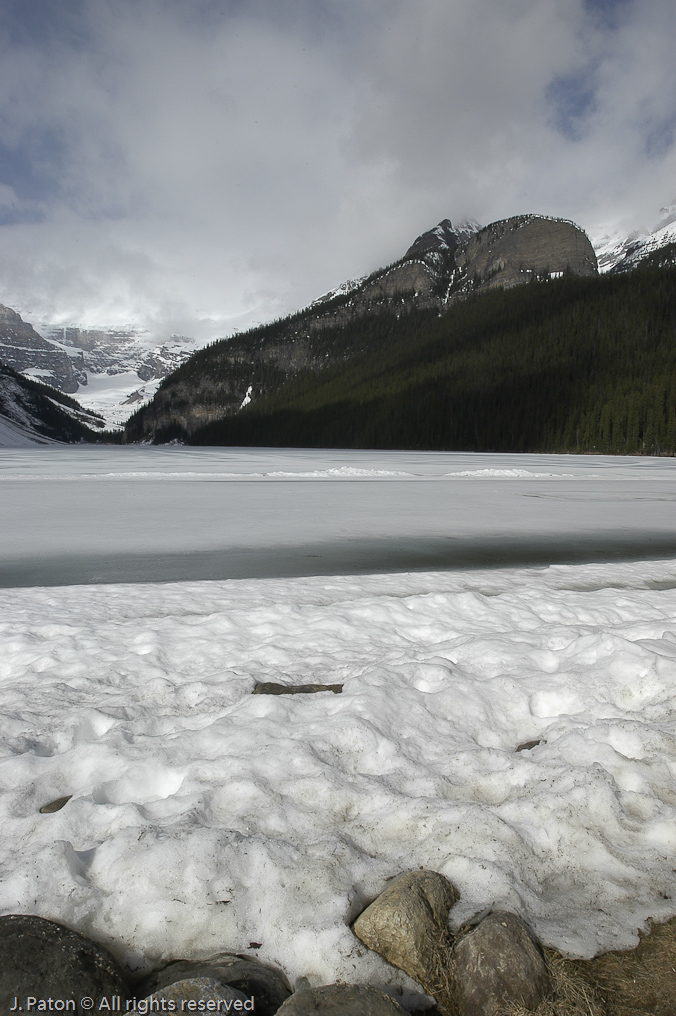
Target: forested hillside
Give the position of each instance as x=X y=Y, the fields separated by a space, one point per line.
x=570 y=365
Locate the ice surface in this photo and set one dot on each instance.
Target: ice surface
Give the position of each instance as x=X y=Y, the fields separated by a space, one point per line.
x=203 y=817
x=83 y=514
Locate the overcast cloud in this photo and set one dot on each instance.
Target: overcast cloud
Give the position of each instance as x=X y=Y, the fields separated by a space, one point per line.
x=197 y=166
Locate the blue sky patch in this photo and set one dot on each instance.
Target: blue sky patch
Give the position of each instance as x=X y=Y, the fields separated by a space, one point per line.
x=571 y=98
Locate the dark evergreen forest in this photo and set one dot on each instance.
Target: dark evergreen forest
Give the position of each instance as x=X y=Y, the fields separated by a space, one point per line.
x=568 y=365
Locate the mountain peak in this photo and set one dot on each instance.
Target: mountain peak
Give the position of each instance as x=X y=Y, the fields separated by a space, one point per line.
x=444 y=238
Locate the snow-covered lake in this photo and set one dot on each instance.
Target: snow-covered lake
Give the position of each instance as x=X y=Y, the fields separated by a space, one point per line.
x=467 y=603
x=74 y=515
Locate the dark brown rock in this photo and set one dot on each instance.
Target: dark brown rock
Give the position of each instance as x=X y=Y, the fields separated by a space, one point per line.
x=498 y=962
x=57 y=805
x=408 y=925
x=246 y=975
x=340 y=1000
x=270 y=688
x=45 y=960
x=527 y=745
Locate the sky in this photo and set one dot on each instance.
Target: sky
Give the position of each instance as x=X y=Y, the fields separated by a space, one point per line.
x=194 y=168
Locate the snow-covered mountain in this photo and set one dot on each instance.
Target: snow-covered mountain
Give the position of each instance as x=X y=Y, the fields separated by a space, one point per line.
x=112 y=370
x=620 y=252
x=118 y=369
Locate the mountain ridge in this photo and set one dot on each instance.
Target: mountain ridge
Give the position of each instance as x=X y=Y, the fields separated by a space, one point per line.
x=442 y=266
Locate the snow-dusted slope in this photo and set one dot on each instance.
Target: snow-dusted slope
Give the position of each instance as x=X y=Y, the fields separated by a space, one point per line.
x=620 y=252
x=35 y=414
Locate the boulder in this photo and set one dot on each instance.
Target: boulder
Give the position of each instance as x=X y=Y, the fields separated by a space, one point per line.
x=408 y=925
x=497 y=963
x=340 y=1000
x=201 y=989
x=44 y=960
x=248 y=976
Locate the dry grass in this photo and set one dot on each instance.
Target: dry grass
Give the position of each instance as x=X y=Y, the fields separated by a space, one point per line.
x=572 y=994
x=640 y=982
x=637 y=982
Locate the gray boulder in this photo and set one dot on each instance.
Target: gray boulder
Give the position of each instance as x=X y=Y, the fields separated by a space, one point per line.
x=44 y=960
x=497 y=963
x=340 y=1000
x=408 y=925
x=246 y=975
x=203 y=989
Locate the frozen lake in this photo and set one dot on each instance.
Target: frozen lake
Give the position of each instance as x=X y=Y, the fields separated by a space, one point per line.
x=81 y=515
x=510 y=599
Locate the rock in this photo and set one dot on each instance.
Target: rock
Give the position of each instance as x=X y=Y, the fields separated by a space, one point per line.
x=340 y=1000
x=498 y=962
x=527 y=745
x=408 y=925
x=45 y=960
x=270 y=688
x=513 y=251
x=57 y=805
x=248 y=976
x=23 y=349
x=202 y=989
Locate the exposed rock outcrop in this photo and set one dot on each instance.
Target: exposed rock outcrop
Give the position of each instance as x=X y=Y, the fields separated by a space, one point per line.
x=517 y=250
x=23 y=349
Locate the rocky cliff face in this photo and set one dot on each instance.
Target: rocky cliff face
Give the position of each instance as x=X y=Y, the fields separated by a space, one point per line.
x=23 y=349
x=442 y=266
x=517 y=250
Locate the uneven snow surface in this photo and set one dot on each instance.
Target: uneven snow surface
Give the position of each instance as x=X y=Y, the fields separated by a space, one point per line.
x=204 y=818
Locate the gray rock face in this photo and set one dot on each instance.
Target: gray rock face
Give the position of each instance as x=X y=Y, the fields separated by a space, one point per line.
x=247 y=976
x=498 y=962
x=413 y=278
x=22 y=348
x=408 y=925
x=514 y=251
x=435 y=245
x=44 y=960
x=340 y=1000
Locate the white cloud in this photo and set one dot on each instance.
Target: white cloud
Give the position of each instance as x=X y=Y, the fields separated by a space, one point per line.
x=198 y=167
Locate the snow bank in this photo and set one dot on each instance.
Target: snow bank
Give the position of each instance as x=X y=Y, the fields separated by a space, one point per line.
x=205 y=818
